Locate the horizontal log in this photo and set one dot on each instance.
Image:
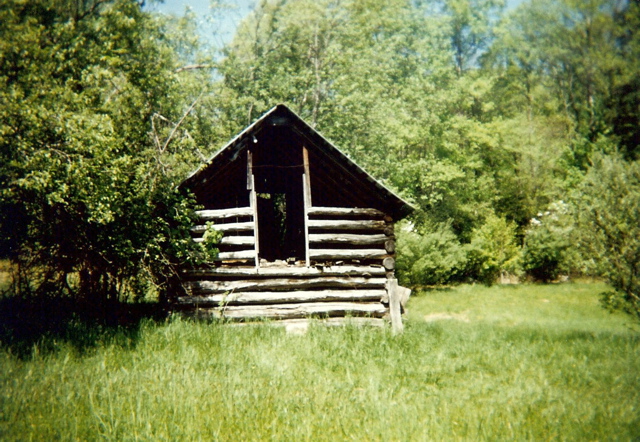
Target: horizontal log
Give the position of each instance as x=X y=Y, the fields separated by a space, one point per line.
x=212 y=215
x=233 y=240
x=249 y=298
x=334 y=322
x=346 y=238
x=348 y=253
x=346 y=211
x=286 y=271
x=229 y=227
x=293 y=311
x=242 y=254
x=345 y=321
x=200 y=287
x=346 y=224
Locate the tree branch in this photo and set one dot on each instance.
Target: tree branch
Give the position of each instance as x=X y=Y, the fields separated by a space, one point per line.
x=192 y=67
x=173 y=131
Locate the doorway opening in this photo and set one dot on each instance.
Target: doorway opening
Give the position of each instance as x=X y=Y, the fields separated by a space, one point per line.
x=277 y=170
x=281 y=227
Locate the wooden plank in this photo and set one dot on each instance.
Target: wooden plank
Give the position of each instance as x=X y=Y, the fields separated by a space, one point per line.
x=404 y=294
x=307 y=175
x=321 y=282
x=229 y=227
x=242 y=254
x=346 y=211
x=347 y=238
x=250 y=183
x=234 y=240
x=285 y=271
x=292 y=311
x=348 y=253
x=306 y=193
x=253 y=202
x=346 y=321
x=249 y=298
x=238 y=241
x=332 y=322
x=346 y=224
x=212 y=215
x=394 y=306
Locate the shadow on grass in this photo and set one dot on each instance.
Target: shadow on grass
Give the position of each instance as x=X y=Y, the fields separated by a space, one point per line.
x=426 y=289
x=41 y=324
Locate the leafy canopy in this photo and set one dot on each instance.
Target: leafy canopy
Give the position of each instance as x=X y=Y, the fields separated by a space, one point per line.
x=91 y=147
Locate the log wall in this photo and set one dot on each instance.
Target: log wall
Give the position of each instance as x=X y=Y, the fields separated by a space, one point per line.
x=351 y=260
x=238 y=245
x=353 y=235
x=284 y=292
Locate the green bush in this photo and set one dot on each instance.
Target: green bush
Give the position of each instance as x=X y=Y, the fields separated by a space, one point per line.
x=609 y=222
x=433 y=257
x=210 y=241
x=494 y=251
x=547 y=252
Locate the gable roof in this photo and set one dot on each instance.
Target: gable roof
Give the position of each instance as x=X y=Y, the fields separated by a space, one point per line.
x=281 y=115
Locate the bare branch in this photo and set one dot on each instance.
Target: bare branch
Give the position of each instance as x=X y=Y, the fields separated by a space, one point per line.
x=173 y=131
x=192 y=67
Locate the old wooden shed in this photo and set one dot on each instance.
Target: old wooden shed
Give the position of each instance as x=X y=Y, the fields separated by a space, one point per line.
x=307 y=232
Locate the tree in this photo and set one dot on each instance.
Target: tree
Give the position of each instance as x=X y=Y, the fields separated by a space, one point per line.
x=609 y=222
x=623 y=107
x=91 y=132
x=579 y=57
x=471 y=23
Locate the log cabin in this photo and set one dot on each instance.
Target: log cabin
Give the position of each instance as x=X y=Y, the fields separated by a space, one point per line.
x=306 y=231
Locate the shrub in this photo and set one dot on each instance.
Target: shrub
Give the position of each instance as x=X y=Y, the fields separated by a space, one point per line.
x=609 y=222
x=494 y=250
x=433 y=257
x=547 y=252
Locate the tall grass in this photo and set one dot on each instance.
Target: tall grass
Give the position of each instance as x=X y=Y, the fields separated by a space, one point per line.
x=532 y=362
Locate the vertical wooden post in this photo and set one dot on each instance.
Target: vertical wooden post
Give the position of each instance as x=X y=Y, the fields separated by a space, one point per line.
x=253 y=202
x=306 y=191
x=394 y=306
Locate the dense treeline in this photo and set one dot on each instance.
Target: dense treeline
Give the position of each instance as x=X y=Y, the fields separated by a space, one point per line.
x=514 y=133
x=91 y=146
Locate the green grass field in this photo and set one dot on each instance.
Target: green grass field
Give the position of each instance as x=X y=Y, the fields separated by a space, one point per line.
x=513 y=362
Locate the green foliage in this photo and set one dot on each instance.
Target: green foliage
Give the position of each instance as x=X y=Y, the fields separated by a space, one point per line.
x=609 y=220
x=579 y=58
x=543 y=255
x=210 y=241
x=494 y=251
x=434 y=257
x=547 y=252
x=89 y=125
